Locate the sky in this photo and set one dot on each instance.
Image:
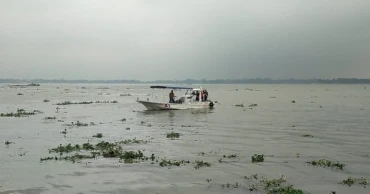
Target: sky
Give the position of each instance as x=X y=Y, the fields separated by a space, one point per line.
x=174 y=40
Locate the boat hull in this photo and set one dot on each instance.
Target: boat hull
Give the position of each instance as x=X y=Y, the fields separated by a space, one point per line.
x=175 y=106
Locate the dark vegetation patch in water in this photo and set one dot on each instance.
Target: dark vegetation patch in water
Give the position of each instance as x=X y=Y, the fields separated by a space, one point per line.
x=307 y=135
x=98 y=135
x=173 y=135
x=257 y=158
x=359 y=181
x=50 y=118
x=19 y=113
x=272 y=186
x=85 y=102
x=327 y=163
x=199 y=164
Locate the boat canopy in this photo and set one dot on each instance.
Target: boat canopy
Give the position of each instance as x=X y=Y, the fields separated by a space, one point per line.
x=171 y=87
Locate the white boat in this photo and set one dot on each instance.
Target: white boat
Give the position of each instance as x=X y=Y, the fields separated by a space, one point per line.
x=187 y=101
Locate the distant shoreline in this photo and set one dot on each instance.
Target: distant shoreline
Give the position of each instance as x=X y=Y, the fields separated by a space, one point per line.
x=192 y=81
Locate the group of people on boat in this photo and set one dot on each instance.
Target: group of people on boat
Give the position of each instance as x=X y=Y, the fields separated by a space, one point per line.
x=200 y=96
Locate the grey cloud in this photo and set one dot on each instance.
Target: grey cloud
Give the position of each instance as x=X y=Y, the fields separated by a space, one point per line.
x=166 y=39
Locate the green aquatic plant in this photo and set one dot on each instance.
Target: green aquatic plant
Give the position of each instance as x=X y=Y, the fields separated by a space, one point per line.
x=173 y=135
x=200 y=164
x=285 y=190
x=114 y=101
x=46 y=100
x=229 y=185
x=80 y=124
x=132 y=156
x=257 y=158
x=50 y=118
x=133 y=141
x=70 y=103
x=253 y=105
x=98 y=135
x=19 y=113
x=327 y=163
x=273 y=183
x=65 y=148
x=351 y=181
x=231 y=156
x=293 y=101
x=173 y=163
x=20 y=94
x=87 y=146
x=7 y=143
x=307 y=135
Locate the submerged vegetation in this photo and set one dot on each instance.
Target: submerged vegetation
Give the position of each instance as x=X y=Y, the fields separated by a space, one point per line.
x=327 y=163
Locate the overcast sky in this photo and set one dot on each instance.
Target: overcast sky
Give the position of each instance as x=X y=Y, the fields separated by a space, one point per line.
x=170 y=39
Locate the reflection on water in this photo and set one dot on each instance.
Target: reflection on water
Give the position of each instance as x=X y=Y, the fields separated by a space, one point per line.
x=337 y=116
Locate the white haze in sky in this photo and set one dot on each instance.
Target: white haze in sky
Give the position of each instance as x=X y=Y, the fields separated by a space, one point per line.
x=171 y=39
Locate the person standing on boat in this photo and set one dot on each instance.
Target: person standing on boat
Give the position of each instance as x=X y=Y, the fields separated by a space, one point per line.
x=197 y=96
x=172 y=97
x=205 y=95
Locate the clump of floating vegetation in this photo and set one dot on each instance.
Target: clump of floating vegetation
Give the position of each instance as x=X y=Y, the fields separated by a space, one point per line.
x=351 y=181
x=307 y=135
x=98 y=135
x=70 y=103
x=230 y=156
x=105 y=149
x=229 y=185
x=239 y=105
x=293 y=101
x=91 y=102
x=257 y=158
x=50 y=118
x=173 y=135
x=78 y=124
x=173 y=163
x=19 y=113
x=273 y=186
x=327 y=163
x=200 y=164
x=46 y=100
x=253 y=105
x=7 y=143
x=20 y=94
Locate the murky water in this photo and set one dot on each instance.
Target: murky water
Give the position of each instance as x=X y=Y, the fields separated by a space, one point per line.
x=336 y=115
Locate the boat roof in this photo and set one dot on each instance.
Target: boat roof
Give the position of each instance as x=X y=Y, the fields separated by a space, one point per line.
x=172 y=87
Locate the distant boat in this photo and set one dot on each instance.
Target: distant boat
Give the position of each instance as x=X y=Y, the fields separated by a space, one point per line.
x=187 y=101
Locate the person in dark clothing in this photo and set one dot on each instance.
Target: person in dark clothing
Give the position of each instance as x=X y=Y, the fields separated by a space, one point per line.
x=205 y=95
x=197 y=96
x=172 y=97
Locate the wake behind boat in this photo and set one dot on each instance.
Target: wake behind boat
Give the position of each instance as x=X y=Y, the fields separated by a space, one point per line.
x=194 y=98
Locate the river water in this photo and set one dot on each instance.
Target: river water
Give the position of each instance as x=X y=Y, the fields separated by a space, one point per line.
x=337 y=116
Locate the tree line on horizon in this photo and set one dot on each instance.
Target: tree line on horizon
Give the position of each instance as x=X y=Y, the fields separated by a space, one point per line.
x=202 y=81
